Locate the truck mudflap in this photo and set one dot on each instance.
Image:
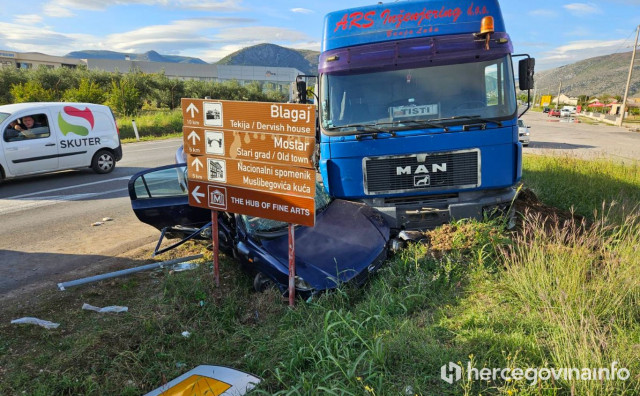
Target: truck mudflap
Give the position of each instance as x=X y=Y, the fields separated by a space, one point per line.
x=432 y=212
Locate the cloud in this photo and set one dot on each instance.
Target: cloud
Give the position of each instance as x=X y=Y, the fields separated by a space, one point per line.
x=56 y=11
x=28 y=19
x=576 y=51
x=174 y=37
x=23 y=38
x=301 y=11
x=544 y=13
x=581 y=9
x=63 y=8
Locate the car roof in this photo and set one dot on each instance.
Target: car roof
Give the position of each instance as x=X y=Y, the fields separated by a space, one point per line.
x=12 y=108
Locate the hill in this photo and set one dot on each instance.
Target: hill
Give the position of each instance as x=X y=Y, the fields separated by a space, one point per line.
x=274 y=55
x=594 y=76
x=150 y=56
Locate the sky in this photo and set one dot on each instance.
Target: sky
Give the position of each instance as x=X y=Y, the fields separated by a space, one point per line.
x=554 y=32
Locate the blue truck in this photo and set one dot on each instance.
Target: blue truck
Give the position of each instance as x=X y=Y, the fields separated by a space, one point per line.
x=417 y=110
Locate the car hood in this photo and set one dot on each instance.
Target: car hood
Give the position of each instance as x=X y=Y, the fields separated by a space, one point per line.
x=349 y=239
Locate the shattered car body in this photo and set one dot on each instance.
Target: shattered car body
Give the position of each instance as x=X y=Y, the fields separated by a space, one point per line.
x=348 y=242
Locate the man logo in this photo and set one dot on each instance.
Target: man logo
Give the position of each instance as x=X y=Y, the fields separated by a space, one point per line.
x=217 y=197
x=421 y=181
x=453 y=374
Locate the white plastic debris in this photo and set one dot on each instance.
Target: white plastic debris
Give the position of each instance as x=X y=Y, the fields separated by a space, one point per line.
x=183 y=267
x=104 y=219
x=97 y=223
x=112 y=308
x=186 y=334
x=29 y=320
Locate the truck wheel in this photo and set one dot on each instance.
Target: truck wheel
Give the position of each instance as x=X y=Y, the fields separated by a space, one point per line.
x=103 y=162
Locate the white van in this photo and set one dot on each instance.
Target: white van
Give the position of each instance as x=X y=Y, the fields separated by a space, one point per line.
x=46 y=137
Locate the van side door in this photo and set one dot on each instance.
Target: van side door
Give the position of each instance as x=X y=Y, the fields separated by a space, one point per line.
x=30 y=150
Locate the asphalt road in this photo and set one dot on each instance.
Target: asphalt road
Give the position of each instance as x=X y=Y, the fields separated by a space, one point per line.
x=552 y=135
x=46 y=232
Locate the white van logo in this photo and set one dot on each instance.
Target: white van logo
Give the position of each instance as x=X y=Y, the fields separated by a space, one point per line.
x=69 y=122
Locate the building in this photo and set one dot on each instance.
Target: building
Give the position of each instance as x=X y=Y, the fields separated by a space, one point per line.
x=30 y=60
x=565 y=100
x=271 y=78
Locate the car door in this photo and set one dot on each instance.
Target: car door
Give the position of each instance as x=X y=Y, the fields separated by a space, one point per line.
x=159 y=198
x=32 y=151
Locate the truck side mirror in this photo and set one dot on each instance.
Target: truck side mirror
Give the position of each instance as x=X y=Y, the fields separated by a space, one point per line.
x=301 y=87
x=525 y=73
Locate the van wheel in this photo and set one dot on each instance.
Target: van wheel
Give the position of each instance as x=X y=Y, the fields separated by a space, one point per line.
x=103 y=162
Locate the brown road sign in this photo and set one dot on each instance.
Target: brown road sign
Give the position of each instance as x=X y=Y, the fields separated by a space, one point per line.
x=283 y=118
x=251 y=174
x=257 y=146
x=281 y=207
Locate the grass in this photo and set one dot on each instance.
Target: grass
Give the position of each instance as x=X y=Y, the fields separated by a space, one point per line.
x=584 y=186
x=563 y=295
x=152 y=125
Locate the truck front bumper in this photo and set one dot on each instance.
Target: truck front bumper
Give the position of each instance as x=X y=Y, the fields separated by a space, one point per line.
x=425 y=213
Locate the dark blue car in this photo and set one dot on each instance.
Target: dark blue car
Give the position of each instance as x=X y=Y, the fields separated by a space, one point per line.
x=348 y=242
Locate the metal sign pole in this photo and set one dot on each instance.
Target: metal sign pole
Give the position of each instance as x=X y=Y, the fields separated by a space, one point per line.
x=216 y=251
x=292 y=265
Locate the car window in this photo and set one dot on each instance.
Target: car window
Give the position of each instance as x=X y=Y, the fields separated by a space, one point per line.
x=520 y=123
x=161 y=183
x=20 y=129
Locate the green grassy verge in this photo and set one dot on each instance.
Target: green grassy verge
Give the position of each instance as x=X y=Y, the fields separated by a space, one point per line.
x=152 y=125
x=550 y=296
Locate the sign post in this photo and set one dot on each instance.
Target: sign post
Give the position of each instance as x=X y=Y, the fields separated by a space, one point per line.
x=251 y=158
x=214 y=245
x=292 y=265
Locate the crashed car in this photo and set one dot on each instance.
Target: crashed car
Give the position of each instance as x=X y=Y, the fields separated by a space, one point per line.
x=348 y=243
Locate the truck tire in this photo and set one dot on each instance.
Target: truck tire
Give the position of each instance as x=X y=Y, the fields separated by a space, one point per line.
x=103 y=162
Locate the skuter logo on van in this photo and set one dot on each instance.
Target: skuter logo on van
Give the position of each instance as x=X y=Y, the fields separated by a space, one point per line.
x=70 y=121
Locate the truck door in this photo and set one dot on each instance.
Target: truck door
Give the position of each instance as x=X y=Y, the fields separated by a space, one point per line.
x=33 y=148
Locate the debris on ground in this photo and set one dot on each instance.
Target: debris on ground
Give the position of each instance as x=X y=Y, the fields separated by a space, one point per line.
x=186 y=334
x=97 y=223
x=109 y=309
x=105 y=219
x=43 y=323
x=183 y=267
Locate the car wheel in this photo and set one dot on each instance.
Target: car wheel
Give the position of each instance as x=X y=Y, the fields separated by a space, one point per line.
x=103 y=162
x=262 y=282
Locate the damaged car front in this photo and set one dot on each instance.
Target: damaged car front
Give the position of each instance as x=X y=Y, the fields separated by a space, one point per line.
x=348 y=243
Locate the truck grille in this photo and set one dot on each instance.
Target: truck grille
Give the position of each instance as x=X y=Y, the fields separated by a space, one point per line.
x=422 y=172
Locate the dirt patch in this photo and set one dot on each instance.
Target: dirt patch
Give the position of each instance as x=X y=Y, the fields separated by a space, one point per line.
x=529 y=206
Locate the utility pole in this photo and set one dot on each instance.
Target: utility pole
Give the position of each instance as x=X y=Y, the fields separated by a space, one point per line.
x=558 y=100
x=626 y=90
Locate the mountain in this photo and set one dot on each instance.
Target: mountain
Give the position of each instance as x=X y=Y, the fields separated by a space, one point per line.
x=150 y=56
x=275 y=56
x=594 y=76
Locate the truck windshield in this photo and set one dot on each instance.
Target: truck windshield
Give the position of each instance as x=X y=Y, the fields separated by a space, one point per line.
x=450 y=94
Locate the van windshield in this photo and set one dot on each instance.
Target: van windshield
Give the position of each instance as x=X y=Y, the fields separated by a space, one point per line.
x=447 y=94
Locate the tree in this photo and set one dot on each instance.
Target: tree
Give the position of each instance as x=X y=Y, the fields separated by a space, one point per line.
x=31 y=91
x=9 y=76
x=167 y=91
x=87 y=91
x=124 y=97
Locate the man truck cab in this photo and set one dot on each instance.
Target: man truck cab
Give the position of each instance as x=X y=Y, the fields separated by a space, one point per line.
x=418 y=111
x=46 y=137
